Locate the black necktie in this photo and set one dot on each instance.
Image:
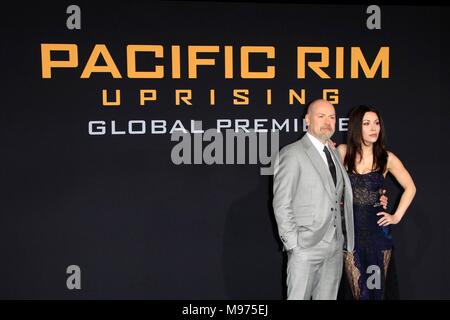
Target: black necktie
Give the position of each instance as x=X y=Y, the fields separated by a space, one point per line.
x=330 y=164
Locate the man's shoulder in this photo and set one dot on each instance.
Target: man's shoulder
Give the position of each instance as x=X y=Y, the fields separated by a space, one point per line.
x=296 y=146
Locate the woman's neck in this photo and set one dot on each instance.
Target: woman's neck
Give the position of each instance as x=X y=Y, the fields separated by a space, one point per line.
x=367 y=150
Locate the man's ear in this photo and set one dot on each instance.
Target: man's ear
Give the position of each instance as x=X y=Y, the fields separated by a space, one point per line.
x=307 y=119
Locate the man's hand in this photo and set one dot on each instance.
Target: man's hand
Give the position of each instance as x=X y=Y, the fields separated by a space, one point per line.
x=384 y=200
x=291 y=250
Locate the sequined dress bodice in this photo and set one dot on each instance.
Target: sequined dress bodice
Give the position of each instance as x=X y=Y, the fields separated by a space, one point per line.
x=366 y=194
x=373 y=243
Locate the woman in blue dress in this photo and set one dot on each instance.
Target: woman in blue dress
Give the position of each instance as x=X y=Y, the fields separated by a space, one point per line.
x=367 y=162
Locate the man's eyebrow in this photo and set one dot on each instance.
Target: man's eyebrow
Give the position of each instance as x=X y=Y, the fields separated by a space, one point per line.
x=324 y=114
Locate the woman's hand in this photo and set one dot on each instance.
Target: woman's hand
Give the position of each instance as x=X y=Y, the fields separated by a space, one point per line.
x=387 y=219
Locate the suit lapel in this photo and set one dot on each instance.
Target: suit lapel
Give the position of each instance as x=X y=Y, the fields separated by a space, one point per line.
x=338 y=165
x=318 y=163
x=345 y=178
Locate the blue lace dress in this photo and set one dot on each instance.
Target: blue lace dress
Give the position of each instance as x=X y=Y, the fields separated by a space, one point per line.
x=366 y=268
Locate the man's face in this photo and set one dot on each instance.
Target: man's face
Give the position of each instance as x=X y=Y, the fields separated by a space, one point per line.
x=321 y=121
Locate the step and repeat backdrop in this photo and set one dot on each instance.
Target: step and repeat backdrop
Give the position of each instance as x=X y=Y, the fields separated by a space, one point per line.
x=125 y=170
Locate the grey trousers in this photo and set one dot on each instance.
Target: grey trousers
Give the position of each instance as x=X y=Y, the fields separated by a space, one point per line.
x=315 y=272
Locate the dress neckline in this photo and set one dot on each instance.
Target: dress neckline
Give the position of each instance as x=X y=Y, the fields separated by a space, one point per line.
x=362 y=174
x=367 y=173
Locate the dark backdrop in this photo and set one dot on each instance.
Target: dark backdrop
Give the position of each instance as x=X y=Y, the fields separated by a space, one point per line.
x=141 y=227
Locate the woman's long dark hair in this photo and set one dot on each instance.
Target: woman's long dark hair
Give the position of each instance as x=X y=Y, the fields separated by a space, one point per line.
x=354 y=141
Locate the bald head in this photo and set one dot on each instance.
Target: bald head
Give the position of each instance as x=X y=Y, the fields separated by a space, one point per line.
x=318 y=103
x=321 y=119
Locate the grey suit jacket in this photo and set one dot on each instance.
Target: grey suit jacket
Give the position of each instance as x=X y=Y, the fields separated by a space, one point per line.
x=303 y=196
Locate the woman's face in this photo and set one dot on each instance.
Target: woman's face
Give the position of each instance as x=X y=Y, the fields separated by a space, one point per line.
x=370 y=128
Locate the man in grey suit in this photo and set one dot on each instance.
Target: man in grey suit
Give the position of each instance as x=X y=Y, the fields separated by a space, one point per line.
x=309 y=184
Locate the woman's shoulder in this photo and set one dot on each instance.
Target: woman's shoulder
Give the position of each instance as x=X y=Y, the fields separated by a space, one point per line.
x=342 y=149
x=391 y=158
